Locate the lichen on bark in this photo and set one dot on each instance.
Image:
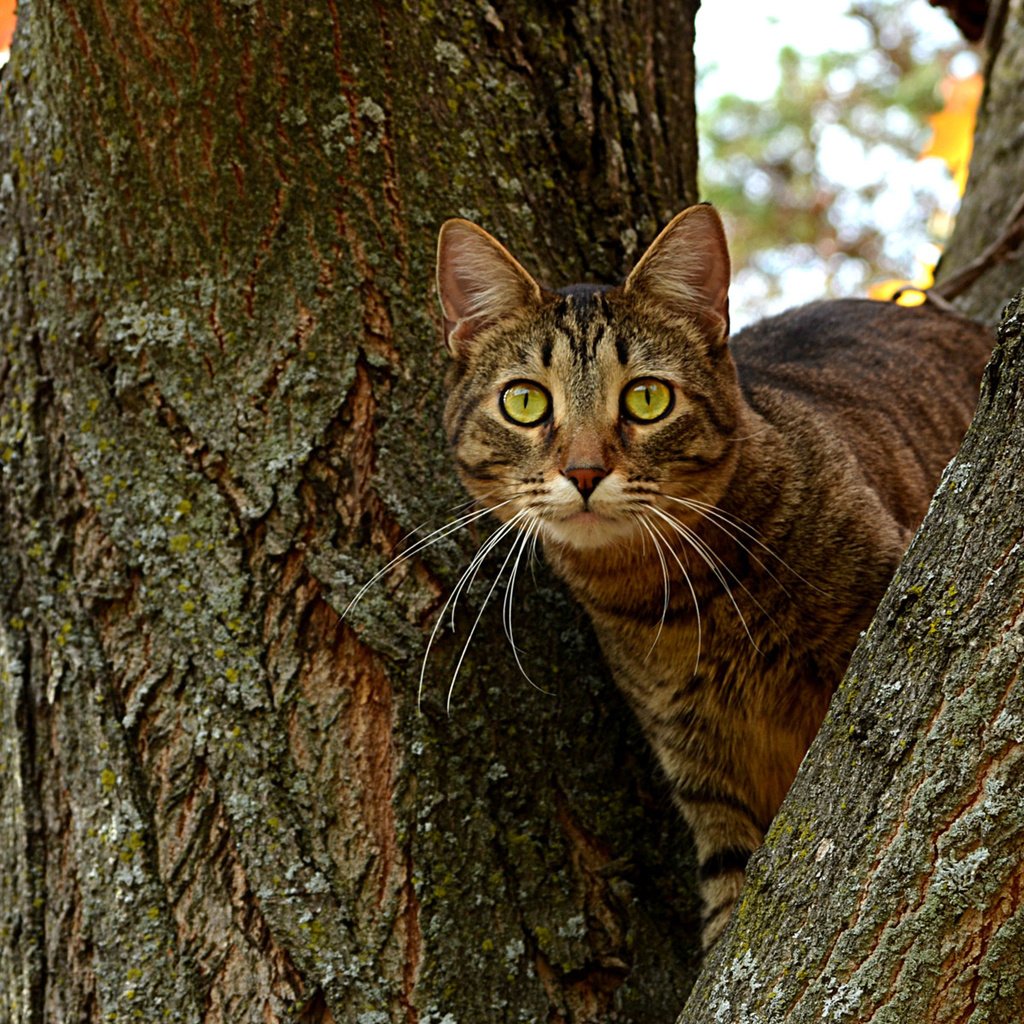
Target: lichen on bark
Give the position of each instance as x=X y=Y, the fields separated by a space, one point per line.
x=221 y=386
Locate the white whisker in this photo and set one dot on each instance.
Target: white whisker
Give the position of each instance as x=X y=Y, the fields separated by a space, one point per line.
x=431 y=538
x=693 y=595
x=483 y=605
x=534 y=559
x=718 y=517
x=714 y=562
x=453 y=597
x=533 y=545
x=529 y=534
x=474 y=567
x=665 y=581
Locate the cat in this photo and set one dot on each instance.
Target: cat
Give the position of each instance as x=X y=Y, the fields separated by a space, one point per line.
x=728 y=512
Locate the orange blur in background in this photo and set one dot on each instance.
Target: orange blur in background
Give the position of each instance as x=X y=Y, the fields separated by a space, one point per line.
x=7 y=19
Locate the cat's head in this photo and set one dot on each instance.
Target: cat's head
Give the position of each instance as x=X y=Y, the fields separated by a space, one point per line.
x=582 y=408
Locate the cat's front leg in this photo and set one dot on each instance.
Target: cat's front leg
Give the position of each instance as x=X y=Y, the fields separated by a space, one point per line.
x=726 y=833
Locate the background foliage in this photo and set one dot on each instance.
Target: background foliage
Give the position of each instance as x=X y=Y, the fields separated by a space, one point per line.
x=823 y=183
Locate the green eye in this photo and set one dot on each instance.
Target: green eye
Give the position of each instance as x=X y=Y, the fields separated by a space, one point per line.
x=647 y=399
x=525 y=403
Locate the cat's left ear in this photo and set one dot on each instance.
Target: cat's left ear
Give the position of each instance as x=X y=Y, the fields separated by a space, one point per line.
x=478 y=283
x=686 y=268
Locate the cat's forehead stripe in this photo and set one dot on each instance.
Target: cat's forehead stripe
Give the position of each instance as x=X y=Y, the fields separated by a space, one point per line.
x=581 y=316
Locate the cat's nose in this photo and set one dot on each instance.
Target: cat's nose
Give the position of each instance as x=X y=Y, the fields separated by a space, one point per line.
x=586 y=478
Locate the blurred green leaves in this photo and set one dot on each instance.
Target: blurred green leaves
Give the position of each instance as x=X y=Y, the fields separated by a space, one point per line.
x=821 y=184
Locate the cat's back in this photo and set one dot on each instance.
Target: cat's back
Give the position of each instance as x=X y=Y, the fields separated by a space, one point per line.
x=897 y=385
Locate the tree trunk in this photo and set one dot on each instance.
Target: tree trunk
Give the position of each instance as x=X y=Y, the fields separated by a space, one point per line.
x=222 y=391
x=890 y=885
x=991 y=217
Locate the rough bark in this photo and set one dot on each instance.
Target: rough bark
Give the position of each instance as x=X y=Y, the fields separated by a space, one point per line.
x=221 y=388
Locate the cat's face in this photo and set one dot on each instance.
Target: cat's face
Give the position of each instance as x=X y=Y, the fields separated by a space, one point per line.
x=579 y=412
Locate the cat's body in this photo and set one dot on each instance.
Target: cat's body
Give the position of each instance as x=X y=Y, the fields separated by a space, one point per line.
x=729 y=521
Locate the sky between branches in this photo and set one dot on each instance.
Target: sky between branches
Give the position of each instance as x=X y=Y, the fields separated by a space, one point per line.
x=813 y=122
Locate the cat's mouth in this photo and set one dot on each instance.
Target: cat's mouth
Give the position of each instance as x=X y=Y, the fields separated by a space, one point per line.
x=588 y=528
x=584 y=516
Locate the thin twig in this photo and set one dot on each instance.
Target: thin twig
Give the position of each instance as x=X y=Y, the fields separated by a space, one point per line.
x=1002 y=250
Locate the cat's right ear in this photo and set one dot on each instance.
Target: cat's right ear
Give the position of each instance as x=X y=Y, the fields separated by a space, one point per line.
x=478 y=283
x=686 y=268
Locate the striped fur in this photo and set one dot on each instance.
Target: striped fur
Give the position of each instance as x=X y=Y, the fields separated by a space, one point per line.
x=732 y=551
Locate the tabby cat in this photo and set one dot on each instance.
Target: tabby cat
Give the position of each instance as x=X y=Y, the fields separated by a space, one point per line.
x=728 y=512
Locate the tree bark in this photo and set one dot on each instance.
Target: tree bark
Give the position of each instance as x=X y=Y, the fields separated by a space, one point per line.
x=222 y=390
x=992 y=214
